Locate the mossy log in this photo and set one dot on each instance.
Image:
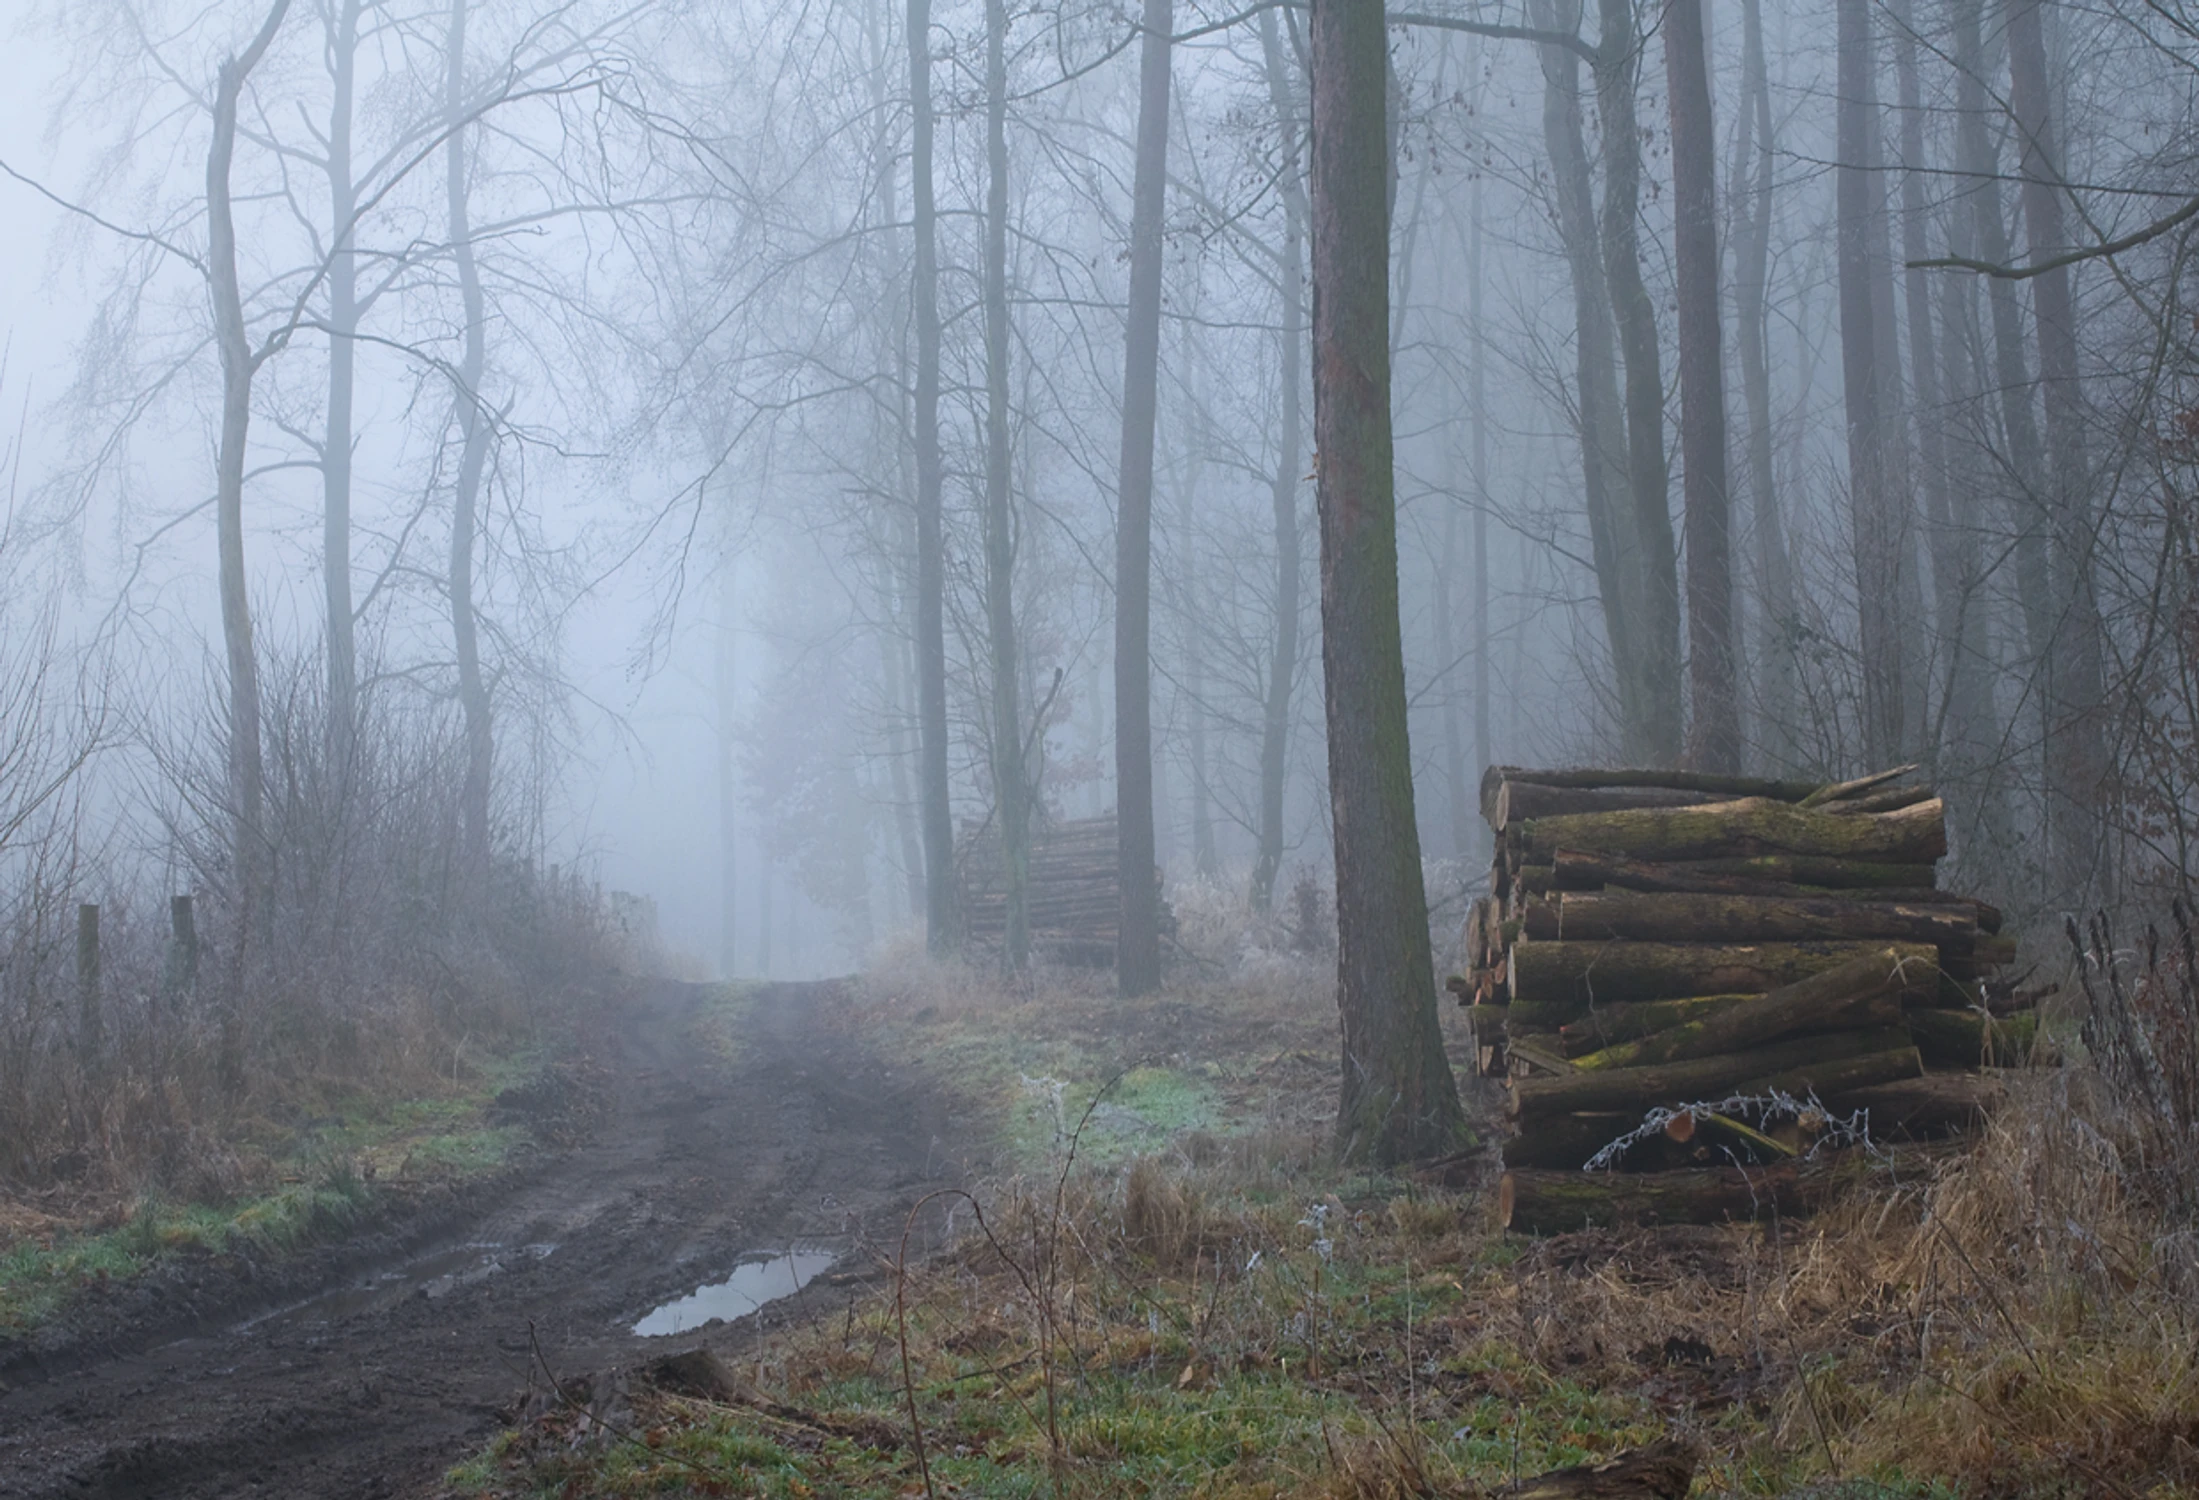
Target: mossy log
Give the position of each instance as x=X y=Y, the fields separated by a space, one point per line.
x=1746 y=827
x=1859 y=995
x=1609 y=1024
x=1540 y=1202
x=1922 y=1108
x=1579 y=975
x=1982 y=957
x=1968 y=1039
x=1518 y=801
x=1837 y=1075
x=1564 y=1142
x=1702 y=1077
x=1690 y=917
x=1579 y=870
x=1546 y=1202
x=1493 y=779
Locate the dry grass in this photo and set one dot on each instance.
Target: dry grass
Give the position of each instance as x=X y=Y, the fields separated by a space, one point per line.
x=1227 y=1314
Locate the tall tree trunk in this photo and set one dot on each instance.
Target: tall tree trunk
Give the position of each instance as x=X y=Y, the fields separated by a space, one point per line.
x=2026 y=460
x=942 y=924
x=343 y=327
x=1961 y=752
x=729 y=786
x=1010 y=790
x=1398 y=1098
x=1648 y=483
x=1613 y=546
x=2076 y=747
x=1478 y=395
x=248 y=849
x=1714 y=738
x=1877 y=540
x=473 y=426
x=1779 y=689
x=1137 y=936
x=1282 y=667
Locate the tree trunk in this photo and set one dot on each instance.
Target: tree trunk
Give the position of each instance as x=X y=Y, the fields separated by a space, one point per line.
x=1398 y=1099
x=942 y=928
x=1648 y=482
x=1862 y=994
x=1778 y=613
x=343 y=327
x=1963 y=750
x=1749 y=827
x=1282 y=667
x=1137 y=937
x=1795 y=1065
x=2078 y=769
x=1714 y=735
x=1559 y=1202
x=1691 y=917
x=1584 y=976
x=473 y=688
x=1877 y=541
x=729 y=818
x=248 y=850
x=1009 y=788
x=2026 y=460
x=1611 y=1025
x=1598 y=416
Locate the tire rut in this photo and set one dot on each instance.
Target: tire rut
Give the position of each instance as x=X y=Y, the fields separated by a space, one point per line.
x=375 y=1389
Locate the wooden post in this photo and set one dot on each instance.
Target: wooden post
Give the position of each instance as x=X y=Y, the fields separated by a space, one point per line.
x=87 y=981
x=180 y=982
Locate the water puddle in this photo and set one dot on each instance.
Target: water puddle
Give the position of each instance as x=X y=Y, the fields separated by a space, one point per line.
x=433 y=1276
x=752 y=1284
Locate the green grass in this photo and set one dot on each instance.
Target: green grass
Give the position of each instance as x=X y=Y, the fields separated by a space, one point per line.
x=315 y=1183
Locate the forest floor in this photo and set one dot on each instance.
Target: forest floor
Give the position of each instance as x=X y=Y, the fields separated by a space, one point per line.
x=690 y=1124
x=1165 y=1288
x=1086 y=1247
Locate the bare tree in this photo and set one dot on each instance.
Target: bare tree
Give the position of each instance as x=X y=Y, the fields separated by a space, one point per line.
x=1398 y=1097
x=1137 y=939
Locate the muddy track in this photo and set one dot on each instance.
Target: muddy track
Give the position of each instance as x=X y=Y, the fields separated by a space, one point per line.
x=377 y=1386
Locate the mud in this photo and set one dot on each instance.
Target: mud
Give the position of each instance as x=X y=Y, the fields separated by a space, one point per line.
x=371 y=1369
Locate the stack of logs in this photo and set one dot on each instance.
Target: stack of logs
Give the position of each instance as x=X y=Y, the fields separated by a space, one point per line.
x=1658 y=940
x=1073 y=896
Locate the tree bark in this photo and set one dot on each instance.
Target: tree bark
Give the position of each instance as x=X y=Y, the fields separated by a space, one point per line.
x=1398 y=1099
x=1586 y=976
x=1862 y=994
x=942 y=929
x=248 y=850
x=1599 y=418
x=1282 y=666
x=473 y=427
x=1876 y=537
x=1493 y=779
x=2078 y=768
x=1778 y=612
x=1559 y=1202
x=1648 y=482
x=1610 y=1025
x=729 y=820
x=1565 y=1142
x=1523 y=801
x=1692 y=917
x=2026 y=460
x=1791 y=1065
x=1921 y=1108
x=1010 y=792
x=1137 y=936
x=1714 y=734
x=1751 y=826
x=1574 y=870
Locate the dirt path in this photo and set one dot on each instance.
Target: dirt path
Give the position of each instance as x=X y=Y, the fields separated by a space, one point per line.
x=374 y=1390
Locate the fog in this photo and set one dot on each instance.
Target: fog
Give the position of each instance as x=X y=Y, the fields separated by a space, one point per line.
x=630 y=302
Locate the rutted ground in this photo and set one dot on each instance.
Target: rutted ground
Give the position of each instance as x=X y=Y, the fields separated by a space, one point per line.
x=720 y=1137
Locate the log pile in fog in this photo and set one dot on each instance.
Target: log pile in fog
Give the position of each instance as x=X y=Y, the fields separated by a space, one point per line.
x=1655 y=943
x=1074 y=899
